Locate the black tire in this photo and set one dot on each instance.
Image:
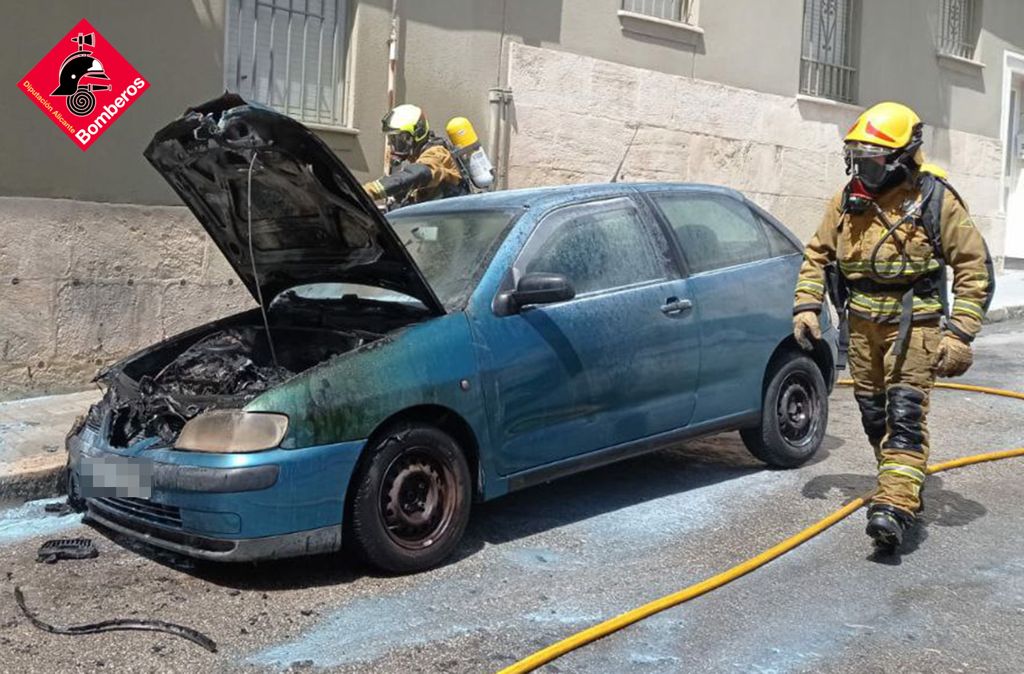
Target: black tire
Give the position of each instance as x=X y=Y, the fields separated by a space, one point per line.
x=794 y=414
x=410 y=500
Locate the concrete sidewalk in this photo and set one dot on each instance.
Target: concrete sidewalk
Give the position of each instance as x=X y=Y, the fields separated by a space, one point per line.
x=1008 y=302
x=32 y=430
x=32 y=434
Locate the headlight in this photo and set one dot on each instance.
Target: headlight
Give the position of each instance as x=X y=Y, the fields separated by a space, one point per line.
x=233 y=431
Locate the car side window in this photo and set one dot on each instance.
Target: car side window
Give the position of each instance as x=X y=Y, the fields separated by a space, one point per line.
x=714 y=230
x=597 y=246
x=779 y=242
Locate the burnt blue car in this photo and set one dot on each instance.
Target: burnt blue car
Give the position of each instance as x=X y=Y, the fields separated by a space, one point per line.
x=450 y=353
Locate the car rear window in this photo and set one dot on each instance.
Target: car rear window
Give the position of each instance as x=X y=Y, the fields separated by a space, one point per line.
x=714 y=230
x=779 y=242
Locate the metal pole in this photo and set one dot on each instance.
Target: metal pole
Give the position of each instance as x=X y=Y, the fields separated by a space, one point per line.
x=255 y=31
x=506 y=124
x=238 y=38
x=270 y=75
x=320 y=57
x=336 y=112
x=288 y=64
x=494 y=99
x=392 y=70
x=305 y=52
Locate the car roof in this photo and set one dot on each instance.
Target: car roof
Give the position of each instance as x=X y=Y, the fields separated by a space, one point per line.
x=545 y=198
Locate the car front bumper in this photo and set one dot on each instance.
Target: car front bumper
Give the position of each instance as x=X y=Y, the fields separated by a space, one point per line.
x=314 y=541
x=229 y=507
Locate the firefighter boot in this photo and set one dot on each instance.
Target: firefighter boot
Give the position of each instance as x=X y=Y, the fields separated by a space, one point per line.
x=887 y=524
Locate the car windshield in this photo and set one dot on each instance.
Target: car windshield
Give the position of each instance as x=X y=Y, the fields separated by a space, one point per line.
x=449 y=248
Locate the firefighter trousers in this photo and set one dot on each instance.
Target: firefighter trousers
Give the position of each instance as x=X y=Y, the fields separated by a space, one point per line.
x=892 y=391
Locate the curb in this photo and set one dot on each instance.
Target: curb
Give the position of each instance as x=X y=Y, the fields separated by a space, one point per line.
x=1004 y=314
x=30 y=485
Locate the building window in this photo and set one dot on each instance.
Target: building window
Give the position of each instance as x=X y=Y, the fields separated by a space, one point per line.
x=826 y=66
x=958 y=28
x=684 y=11
x=289 y=55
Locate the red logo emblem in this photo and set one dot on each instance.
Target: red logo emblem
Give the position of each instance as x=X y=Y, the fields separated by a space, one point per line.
x=83 y=84
x=871 y=130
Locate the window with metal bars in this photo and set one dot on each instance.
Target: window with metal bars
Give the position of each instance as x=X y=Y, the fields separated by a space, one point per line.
x=958 y=26
x=671 y=10
x=289 y=55
x=826 y=63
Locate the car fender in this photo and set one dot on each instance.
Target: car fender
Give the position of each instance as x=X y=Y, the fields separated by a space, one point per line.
x=348 y=397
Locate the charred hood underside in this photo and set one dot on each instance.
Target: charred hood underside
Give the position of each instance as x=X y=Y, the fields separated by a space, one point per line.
x=311 y=220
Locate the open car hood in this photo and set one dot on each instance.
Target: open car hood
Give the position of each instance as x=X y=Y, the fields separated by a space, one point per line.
x=311 y=220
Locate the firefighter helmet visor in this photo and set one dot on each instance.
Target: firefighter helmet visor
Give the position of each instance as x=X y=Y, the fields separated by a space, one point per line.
x=857 y=151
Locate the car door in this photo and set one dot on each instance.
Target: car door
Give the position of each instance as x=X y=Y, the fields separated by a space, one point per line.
x=617 y=363
x=742 y=284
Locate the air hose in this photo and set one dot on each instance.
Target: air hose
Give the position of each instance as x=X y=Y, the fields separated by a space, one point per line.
x=603 y=629
x=890 y=231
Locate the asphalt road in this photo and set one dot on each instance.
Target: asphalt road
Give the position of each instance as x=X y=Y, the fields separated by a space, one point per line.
x=543 y=563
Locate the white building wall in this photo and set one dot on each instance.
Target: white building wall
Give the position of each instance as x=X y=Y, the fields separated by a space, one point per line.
x=575 y=115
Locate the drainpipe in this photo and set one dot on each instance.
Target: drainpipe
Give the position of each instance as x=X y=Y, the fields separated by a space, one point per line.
x=392 y=71
x=498 y=143
x=506 y=135
x=494 y=99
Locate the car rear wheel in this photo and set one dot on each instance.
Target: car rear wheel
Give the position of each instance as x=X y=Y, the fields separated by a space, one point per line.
x=794 y=414
x=411 y=500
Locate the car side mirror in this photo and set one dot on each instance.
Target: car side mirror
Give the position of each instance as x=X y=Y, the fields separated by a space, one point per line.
x=541 y=288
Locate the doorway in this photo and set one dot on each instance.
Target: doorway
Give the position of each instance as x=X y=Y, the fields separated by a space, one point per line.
x=1013 y=156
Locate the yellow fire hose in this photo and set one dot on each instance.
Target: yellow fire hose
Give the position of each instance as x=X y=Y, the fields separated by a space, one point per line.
x=603 y=629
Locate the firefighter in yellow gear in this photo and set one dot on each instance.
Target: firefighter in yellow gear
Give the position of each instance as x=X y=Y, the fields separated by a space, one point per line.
x=424 y=166
x=881 y=252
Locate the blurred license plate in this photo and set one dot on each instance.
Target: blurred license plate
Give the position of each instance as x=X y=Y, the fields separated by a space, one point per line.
x=115 y=477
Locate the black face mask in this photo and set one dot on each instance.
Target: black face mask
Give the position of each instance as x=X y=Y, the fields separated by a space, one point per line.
x=878 y=178
x=402 y=144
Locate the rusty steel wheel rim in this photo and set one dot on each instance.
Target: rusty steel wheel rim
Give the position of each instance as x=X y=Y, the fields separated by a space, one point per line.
x=418 y=498
x=798 y=409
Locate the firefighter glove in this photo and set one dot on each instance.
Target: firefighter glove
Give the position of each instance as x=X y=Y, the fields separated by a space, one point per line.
x=954 y=357
x=375 y=190
x=806 y=323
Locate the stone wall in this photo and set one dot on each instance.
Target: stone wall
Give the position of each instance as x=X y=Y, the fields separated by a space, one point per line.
x=83 y=284
x=575 y=115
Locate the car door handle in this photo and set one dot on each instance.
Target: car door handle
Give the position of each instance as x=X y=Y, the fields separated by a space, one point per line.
x=675 y=306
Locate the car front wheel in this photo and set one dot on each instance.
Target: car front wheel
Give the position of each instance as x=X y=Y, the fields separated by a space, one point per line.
x=794 y=414
x=411 y=500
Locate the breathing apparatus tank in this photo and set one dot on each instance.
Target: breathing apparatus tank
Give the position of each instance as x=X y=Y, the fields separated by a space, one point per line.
x=468 y=150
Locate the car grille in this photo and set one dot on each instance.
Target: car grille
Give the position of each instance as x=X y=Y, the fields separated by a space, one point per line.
x=157 y=513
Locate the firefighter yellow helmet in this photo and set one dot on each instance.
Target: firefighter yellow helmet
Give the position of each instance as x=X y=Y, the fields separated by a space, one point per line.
x=406 y=128
x=883 y=147
x=891 y=125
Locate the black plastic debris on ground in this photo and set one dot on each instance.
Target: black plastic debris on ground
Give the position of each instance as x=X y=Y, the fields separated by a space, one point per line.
x=60 y=509
x=67 y=548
